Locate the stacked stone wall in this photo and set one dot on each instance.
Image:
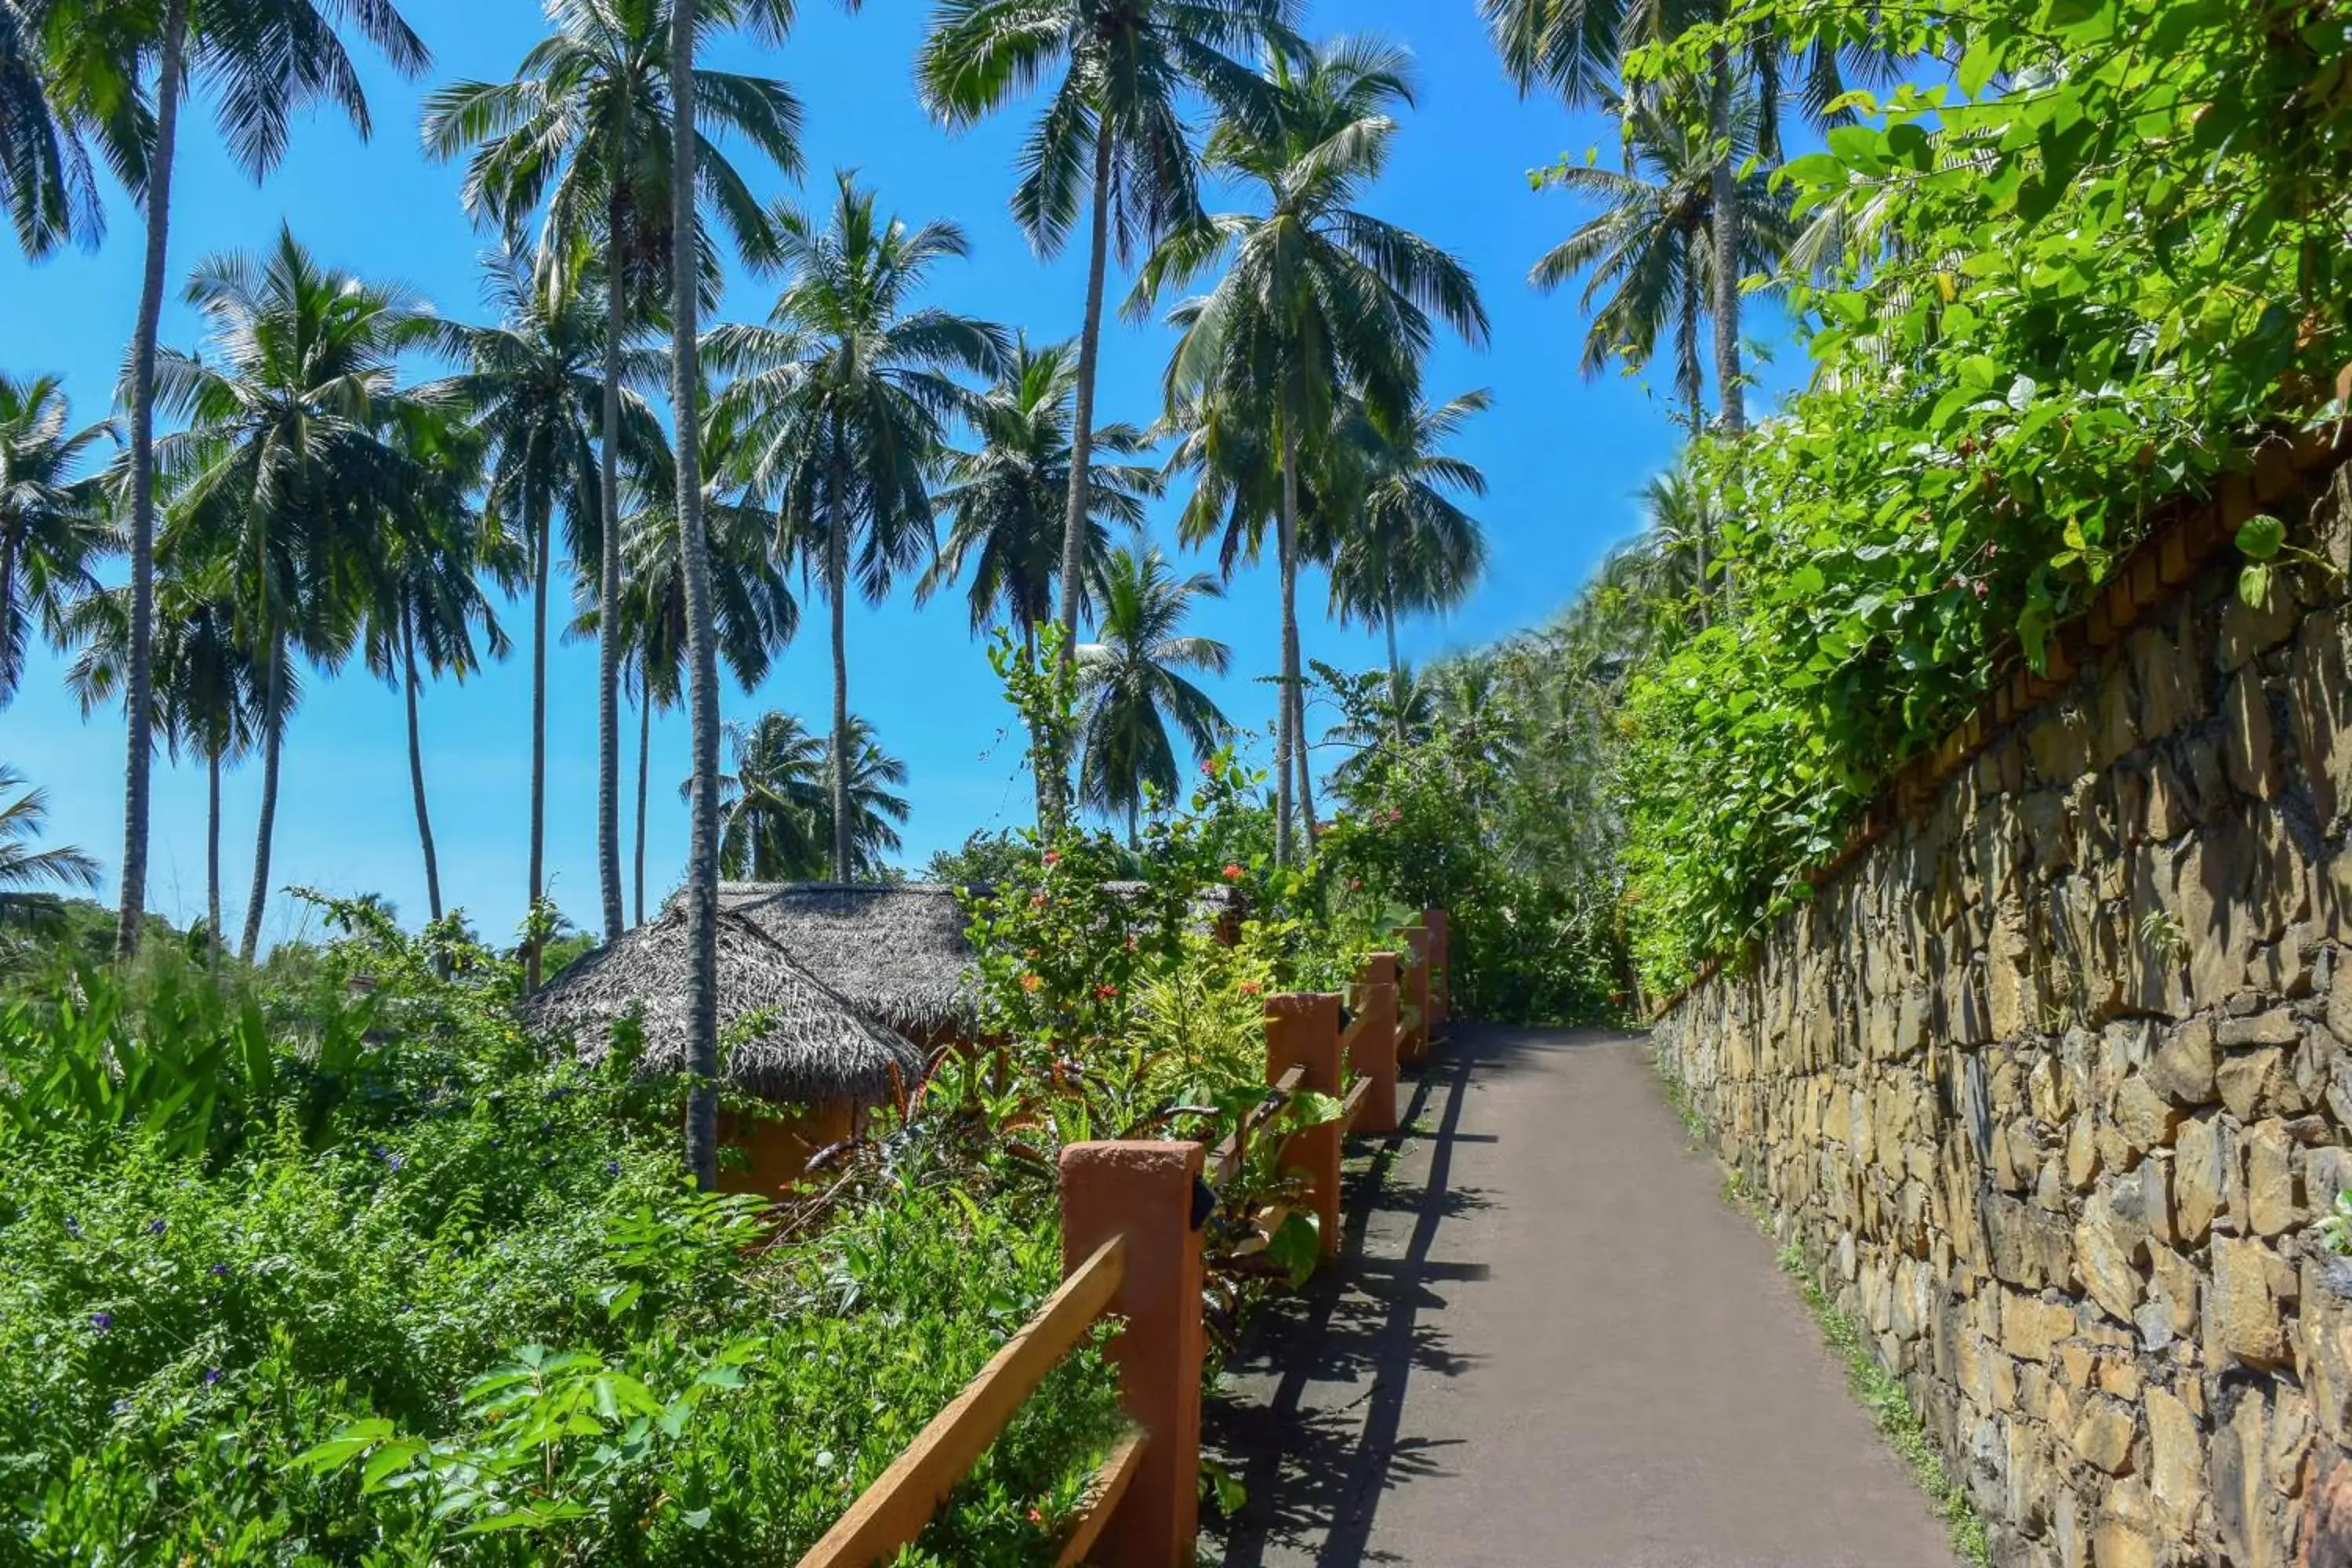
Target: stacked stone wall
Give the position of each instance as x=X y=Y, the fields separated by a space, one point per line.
x=2052 y=1087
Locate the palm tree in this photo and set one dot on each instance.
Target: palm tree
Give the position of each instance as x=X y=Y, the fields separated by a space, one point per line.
x=534 y=382
x=1005 y=498
x=59 y=70
x=23 y=869
x=1115 y=120
x=844 y=398
x=755 y=614
x=53 y=522
x=585 y=133
x=287 y=468
x=774 y=802
x=1648 y=256
x=1405 y=545
x=207 y=687
x=1133 y=684
x=261 y=62
x=1004 y=501
x=1317 y=296
x=876 y=810
x=422 y=600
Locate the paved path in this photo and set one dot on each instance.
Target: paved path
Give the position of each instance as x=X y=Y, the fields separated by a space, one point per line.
x=1552 y=1345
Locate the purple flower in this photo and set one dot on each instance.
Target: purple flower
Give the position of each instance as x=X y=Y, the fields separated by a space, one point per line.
x=219 y=1270
x=212 y=1375
x=394 y=1161
x=155 y=1228
x=101 y=1321
x=611 y=1167
x=73 y=1227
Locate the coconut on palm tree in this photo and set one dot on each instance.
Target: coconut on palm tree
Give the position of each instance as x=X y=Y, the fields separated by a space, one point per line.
x=844 y=398
x=1133 y=683
x=260 y=64
x=584 y=138
x=1112 y=140
x=1316 y=297
x=289 y=469
x=53 y=522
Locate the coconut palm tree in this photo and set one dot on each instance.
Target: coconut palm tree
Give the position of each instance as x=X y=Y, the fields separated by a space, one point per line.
x=1112 y=138
x=876 y=810
x=260 y=63
x=1316 y=296
x=1132 y=683
x=1005 y=498
x=1403 y=546
x=421 y=599
x=844 y=398
x=26 y=873
x=774 y=803
x=207 y=685
x=289 y=468
x=756 y=616
x=534 y=383
x=583 y=136
x=1648 y=255
x=53 y=522
x=63 y=71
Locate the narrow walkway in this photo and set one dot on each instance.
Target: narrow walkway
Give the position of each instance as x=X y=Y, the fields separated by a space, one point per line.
x=1551 y=1345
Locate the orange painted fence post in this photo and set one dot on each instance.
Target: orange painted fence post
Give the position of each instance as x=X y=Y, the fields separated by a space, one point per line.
x=1440 y=971
x=1302 y=1030
x=1413 y=1001
x=1373 y=1048
x=1143 y=1194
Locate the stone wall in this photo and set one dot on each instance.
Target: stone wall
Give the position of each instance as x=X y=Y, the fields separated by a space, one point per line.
x=2053 y=1085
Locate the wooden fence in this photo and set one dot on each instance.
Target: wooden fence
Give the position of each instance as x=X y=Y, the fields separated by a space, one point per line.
x=1131 y=1218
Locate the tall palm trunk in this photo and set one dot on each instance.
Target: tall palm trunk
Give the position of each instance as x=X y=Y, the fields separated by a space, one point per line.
x=608 y=565
x=1299 y=752
x=1082 y=435
x=138 y=687
x=1048 y=797
x=702 y=659
x=1723 y=196
x=416 y=769
x=539 y=545
x=273 y=736
x=1698 y=536
x=1286 y=738
x=211 y=855
x=836 y=579
x=1396 y=665
x=644 y=757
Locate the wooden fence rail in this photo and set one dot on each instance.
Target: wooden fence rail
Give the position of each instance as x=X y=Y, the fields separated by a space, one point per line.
x=1131 y=1218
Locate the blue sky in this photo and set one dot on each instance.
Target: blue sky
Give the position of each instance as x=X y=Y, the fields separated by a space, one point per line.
x=1564 y=456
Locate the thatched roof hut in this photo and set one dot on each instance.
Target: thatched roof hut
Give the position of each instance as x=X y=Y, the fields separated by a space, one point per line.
x=784 y=1035
x=897 y=952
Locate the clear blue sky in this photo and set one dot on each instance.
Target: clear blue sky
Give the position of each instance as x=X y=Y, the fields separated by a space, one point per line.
x=1564 y=456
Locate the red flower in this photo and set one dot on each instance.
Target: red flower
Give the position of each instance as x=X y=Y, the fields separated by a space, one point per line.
x=1036 y=1519
x=1233 y=872
x=1053 y=856
x=1031 y=982
x=1106 y=992
x=1355 y=884
x=1038 y=900
x=1251 y=988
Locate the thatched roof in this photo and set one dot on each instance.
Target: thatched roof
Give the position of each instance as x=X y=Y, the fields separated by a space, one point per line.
x=897 y=952
x=784 y=1035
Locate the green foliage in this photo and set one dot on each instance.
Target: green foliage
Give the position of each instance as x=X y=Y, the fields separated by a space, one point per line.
x=350 y=1271
x=2094 y=272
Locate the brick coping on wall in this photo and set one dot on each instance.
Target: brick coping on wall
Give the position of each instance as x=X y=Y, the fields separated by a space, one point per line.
x=2185 y=536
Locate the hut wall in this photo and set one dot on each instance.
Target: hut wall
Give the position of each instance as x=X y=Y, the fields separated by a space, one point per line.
x=777 y=1148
